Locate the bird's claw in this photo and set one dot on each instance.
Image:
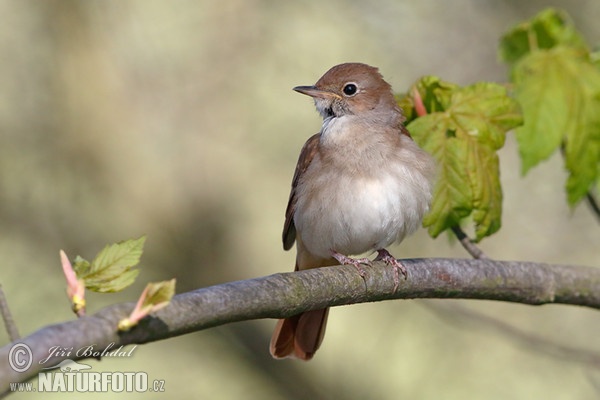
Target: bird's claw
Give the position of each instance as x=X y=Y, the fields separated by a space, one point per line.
x=345 y=260
x=386 y=257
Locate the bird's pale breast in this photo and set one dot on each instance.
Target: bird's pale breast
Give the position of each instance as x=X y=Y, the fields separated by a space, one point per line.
x=352 y=213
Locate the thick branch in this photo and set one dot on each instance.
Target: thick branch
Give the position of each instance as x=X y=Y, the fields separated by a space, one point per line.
x=283 y=295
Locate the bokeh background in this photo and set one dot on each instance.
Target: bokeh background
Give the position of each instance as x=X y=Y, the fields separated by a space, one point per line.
x=177 y=120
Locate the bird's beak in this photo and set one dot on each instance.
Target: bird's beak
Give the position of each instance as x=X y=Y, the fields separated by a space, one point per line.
x=315 y=92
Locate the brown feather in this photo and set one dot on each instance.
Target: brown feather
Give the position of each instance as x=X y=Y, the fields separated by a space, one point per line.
x=307 y=153
x=301 y=335
x=404 y=131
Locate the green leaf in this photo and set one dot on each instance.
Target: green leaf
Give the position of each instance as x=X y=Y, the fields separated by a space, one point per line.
x=486 y=113
x=545 y=99
x=548 y=29
x=582 y=151
x=595 y=58
x=154 y=297
x=484 y=168
x=463 y=133
x=559 y=92
x=158 y=295
x=557 y=82
x=111 y=270
x=435 y=95
x=81 y=266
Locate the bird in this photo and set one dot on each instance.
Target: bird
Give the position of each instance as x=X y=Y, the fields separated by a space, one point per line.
x=360 y=185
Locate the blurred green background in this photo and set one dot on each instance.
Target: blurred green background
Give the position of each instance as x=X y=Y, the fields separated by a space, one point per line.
x=177 y=120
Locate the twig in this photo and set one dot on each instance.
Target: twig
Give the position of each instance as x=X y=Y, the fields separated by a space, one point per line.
x=593 y=204
x=9 y=322
x=468 y=244
x=458 y=315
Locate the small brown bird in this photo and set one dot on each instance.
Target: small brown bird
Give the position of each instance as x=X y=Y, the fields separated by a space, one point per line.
x=360 y=185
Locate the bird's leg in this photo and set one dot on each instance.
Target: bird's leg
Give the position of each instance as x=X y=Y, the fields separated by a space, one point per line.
x=345 y=260
x=386 y=257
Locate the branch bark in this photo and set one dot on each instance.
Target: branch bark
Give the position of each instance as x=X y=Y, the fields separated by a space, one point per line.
x=287 y=294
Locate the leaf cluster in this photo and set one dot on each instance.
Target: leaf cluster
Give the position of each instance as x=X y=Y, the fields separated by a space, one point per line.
x=112 y=270
x=552 y=102
x=557 y=84
x=463 y=128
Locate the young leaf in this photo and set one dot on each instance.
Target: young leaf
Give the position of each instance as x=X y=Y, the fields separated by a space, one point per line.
x=582 y=143
x=548 y=29
x=557 y=83
x=81 y=266
x=582 y=149
x=112 y=268
x=463 y=134
x=75 y=286
x=434 y=96
x=559 y=92
x=154 y=297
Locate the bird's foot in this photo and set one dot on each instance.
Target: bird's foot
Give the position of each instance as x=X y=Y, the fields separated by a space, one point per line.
x=345 y=260
x=386 y=257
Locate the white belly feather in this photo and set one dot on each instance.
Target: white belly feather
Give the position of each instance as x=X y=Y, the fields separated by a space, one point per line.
x=338 y=210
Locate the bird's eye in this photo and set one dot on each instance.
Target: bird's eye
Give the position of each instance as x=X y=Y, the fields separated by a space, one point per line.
x=350 y=89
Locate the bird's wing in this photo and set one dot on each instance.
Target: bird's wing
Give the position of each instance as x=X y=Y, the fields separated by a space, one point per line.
x=307 y=154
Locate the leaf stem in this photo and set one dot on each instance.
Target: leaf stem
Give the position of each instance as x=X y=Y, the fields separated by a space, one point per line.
x=593 y=203
x=468 y=244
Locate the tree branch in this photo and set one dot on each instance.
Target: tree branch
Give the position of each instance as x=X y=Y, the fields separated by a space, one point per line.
x=287 y=294
x=9 y=322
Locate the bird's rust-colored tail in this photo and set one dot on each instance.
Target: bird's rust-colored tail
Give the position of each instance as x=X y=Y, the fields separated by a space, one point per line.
x=301 y=335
